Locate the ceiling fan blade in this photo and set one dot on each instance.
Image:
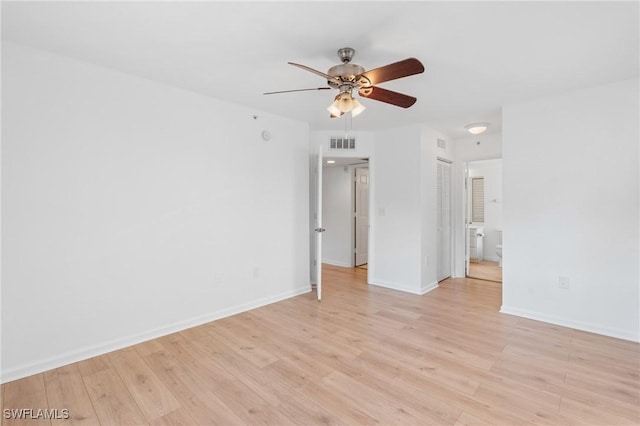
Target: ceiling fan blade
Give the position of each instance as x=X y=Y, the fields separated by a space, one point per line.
x=296 y=90
x=387 y=96
x=393 y=71
x=306 y=68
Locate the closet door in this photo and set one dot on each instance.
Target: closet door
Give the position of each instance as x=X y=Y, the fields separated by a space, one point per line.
x=444 y=220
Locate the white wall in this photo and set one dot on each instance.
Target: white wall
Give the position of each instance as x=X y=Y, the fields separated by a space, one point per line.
x=405 y=232
x=396 y=212
x=337 y=194
x=491 y=171
x=133 y=209
x=571 y=187
x=480 y=147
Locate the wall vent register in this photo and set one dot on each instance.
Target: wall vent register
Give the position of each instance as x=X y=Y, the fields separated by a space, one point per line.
x=338 y=143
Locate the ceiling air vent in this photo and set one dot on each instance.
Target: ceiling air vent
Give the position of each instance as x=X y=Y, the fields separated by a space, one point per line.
x=342 y=144
x=442 y=143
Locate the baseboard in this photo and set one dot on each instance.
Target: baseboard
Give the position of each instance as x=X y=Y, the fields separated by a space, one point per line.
x=89 y=352
x=427 y=288
x=395 y=286
x=337 y=263
x=578 y=325
x=492 y=258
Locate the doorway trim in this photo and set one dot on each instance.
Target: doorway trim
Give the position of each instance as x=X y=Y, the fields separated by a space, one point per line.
x=371 y=247
x=466 y=211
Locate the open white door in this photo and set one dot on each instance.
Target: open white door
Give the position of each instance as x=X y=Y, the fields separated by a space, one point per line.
x=361 y=216
x=444 y=220
x=319 y=229
x=467 y=219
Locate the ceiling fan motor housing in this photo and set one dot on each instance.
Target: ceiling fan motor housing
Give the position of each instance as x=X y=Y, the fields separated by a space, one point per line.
x=345 y=72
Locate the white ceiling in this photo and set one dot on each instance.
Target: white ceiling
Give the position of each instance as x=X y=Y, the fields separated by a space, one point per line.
x=478 y=55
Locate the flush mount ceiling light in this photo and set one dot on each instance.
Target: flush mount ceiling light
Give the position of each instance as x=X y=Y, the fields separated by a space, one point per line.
x=476 y=128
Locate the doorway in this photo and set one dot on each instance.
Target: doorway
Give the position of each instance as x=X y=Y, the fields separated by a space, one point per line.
x=483 y=219
x=346 y=186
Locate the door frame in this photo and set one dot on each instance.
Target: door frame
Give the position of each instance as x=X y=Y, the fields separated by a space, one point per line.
x=313 y=211
x=466 y=196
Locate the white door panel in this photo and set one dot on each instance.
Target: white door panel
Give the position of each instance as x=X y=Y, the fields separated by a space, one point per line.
x=319 y=229
x=361 y=215
x=444 y=219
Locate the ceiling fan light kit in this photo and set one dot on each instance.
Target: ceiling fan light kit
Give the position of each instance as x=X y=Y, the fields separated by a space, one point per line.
x=348 y=77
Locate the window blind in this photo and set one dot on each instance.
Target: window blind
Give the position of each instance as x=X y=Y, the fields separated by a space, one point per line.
x=477 y=199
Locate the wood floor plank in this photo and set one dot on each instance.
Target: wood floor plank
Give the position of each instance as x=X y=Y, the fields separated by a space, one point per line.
x=231 y=391
x=244 y=347
x=111 y=399
x=389 y=378
x=94 y=365
x=148 y=347
x=364 y=355
x=384 y=409
x=66 y=390
x=517 y=397
x=588 y=414
x=150 y=394
x=333 y=402
x=485 y=270
x=27 y=396
x=444 y=373
x=467 y=419
x=305 y=411
x=593 y=397
x=260 y=333
x=194 y=394
x=262 y=381
x=179 y=417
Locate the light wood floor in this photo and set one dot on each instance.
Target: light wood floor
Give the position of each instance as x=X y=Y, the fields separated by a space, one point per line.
x=485 y=270
x=364 y=355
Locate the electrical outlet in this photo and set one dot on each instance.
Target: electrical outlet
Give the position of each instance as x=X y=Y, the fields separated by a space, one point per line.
x=563 y=282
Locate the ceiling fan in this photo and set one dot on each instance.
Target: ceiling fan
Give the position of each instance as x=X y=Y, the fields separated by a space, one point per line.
x=347 y=77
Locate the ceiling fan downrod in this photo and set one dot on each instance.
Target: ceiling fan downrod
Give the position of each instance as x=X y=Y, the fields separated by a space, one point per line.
x=346 y=54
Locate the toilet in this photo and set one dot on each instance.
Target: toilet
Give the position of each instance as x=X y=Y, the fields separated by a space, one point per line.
x=499 y=249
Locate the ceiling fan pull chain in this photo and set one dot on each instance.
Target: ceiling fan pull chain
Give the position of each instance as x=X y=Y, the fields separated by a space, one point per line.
x=346 y=131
